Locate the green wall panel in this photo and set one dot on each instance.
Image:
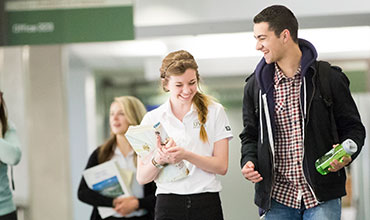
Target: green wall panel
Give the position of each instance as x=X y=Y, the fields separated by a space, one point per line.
x=357 y=81
x=70 y=25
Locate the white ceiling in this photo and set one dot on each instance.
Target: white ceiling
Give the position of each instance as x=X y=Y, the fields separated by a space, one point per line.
x=218 y=34
x=217 y=54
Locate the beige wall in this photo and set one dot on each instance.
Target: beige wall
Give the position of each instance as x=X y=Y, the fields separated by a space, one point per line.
x=48 y=134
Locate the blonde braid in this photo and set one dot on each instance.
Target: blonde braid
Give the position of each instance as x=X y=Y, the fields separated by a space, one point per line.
x=201 y=102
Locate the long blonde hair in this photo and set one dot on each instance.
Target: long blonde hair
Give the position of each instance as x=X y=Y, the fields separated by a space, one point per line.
x=176 y=63
x=134 y=111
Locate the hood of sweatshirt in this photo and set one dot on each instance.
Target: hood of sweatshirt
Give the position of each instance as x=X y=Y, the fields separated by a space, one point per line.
x=265 y=78
x=265 y=72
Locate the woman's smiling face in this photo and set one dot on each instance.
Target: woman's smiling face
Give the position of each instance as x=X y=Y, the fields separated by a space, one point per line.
x=183 y=87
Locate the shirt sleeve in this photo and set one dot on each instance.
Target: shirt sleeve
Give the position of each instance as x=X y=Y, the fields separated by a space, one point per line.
x=223 y=128
x=10 y=152
x=146 y=119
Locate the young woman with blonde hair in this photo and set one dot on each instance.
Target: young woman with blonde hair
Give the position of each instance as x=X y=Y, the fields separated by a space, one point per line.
x=124 y=111
x=199 y=134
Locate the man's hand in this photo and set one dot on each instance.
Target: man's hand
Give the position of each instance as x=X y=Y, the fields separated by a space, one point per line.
x=250 y=174
x=337 y=165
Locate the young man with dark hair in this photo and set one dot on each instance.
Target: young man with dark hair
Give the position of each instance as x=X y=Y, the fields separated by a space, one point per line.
x=288 y=125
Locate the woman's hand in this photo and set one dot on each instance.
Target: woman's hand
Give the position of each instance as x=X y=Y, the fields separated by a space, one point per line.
x=176 y=153
x=125 y=205
x=147 y=172
x=216 y=163
x=162 y=155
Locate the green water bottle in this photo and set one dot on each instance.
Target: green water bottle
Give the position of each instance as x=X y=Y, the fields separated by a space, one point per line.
x=347 y=148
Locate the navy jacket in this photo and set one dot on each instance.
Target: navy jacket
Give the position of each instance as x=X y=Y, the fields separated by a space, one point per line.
x=257 y=137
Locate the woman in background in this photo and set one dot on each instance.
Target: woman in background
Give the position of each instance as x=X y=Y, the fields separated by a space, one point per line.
x=199 y=134
x=10 y=154
x=124 y=111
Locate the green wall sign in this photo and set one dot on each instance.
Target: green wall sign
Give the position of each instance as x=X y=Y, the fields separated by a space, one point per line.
x=70 y=25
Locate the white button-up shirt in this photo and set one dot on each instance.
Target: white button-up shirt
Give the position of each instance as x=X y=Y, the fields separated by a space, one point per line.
x=186 y=134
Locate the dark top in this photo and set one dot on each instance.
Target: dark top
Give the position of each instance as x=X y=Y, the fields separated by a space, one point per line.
x=91 y=197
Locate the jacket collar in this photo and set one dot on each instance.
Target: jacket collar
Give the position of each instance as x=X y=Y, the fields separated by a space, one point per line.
x=265 y=72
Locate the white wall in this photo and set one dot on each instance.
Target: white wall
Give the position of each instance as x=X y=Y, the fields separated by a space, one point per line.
x=237 y=195
x=82 y=127
x=361 y=166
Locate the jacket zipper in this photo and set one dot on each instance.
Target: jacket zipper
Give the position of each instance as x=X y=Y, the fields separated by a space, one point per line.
x=303 y=127
x=313 y=92
x=271 y=140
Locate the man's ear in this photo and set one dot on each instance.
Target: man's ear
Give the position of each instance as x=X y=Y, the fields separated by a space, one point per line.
x=285 y=34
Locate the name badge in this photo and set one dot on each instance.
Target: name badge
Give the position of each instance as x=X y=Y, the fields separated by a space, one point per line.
x=196 y=124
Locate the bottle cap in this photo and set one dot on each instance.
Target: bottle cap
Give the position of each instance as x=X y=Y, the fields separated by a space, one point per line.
x=349 y=146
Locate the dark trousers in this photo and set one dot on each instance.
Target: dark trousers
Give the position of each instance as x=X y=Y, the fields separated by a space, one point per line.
x=10 y=216
x=203 y=206
x=145 y=217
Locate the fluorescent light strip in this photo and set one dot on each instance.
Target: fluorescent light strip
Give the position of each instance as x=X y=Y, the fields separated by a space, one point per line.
x=328 y=41
x=331 y=43
x=345 y=39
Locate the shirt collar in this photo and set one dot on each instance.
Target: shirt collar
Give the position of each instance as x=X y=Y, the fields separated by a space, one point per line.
x=118 y=152
x=168 y=110
x=279 y=75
